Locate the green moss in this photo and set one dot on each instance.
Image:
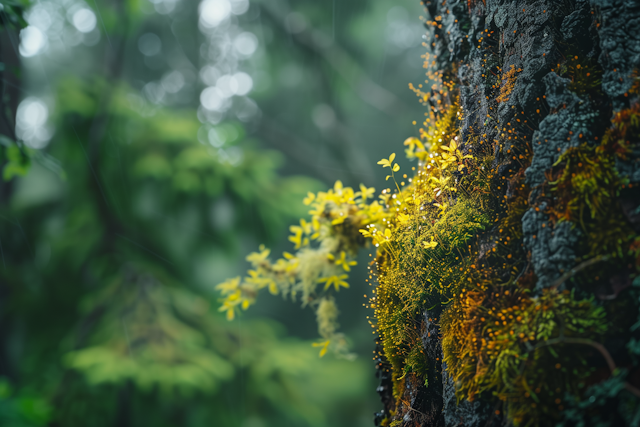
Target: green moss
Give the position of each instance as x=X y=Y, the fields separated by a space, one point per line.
x=587 y=186
x=584 y=72
x=526 y=351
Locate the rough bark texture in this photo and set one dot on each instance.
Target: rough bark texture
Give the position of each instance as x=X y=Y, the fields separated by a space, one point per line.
x=537 y=54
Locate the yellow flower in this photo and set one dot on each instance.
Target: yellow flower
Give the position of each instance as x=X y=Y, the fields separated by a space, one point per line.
x=387 y=163
x=385 y=197
x=347 y=196
x=306 y=226
x=273 y=288
x=324 y=346
x=447 y=159
x=375 y=211
x=334 y=280
x=382 y=238
x=229 y=286
x=318 y=210
x=366 y=193
x=256 y=258
x=413 y=143
x=262 y=282
x=296 y=238
x=403 y=218
x=454 y=155
x=441 y=184
x=338 y=220
x=443 y=207
x=254 y=277
x=430 y=245
x=229 y=308
x=453 y=146
x=315 y=225
x=290 y=263
x=346 y=264
x=309 y=199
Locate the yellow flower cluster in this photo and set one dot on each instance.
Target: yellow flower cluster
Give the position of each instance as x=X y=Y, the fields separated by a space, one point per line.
x=341 y=220
x=325 y=249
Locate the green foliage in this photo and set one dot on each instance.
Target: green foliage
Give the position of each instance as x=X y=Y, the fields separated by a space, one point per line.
x=22 y=408
x=112 y=239
x=152 y=335
x=14 y=159
x=13 y=13
x=596 y=407
x=16 y=162
x=135 y=233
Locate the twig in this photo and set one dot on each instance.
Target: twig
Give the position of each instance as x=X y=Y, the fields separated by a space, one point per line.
x=603 y=351
x=575 y=270
x=414 y=410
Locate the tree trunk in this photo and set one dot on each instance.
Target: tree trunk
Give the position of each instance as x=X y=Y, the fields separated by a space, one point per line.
x=552 y=87
x=10 y=70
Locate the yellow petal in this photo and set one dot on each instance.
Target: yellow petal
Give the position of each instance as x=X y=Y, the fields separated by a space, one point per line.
x=273 y=288
x=413 y=141
x=309 y=199
x=324 y=346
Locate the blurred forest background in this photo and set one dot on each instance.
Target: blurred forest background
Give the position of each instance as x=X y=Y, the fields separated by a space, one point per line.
x=147 y=146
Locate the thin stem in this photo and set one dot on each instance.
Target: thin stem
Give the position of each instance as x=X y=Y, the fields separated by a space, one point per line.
x=394 y=180
x=577 y=269
x=602 y=349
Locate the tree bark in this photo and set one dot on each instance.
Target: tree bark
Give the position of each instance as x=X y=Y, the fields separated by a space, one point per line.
x=511 y=62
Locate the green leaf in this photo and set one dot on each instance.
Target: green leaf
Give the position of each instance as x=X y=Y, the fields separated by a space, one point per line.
x=17 y=163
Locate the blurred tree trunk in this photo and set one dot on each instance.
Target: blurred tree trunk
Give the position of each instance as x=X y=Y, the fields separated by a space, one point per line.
x=516 y=65
x=10 y=72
